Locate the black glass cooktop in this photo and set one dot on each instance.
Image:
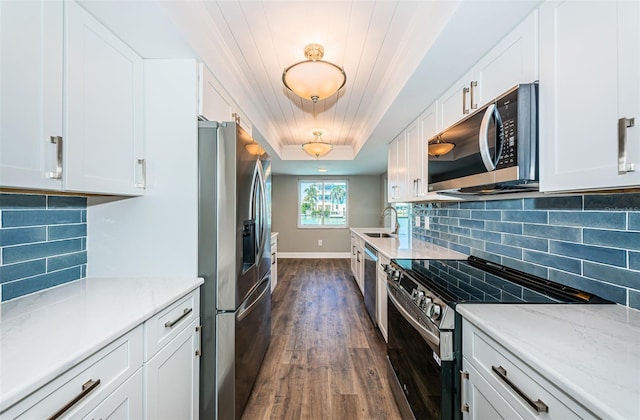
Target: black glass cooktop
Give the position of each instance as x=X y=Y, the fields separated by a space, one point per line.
x=479 y=280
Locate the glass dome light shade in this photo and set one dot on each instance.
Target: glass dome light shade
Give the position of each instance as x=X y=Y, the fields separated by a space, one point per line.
x=314 y=79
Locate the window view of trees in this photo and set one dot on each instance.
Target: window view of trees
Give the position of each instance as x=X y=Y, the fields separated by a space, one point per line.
x=322 y=203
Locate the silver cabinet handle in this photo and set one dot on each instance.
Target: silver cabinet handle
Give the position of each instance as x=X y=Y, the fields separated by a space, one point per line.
x=199 y=348
x=358 y=257
x=273 y=258
x=87 y=387
x=186 y=312
x=353 y=250
x=464 y=407
x=143 y=164
x=57 y=140
x=623 y=166
x=473 y=85
x=465 y=110
x=538 y=405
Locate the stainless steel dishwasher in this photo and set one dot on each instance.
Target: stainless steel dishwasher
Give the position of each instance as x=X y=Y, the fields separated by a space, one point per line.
x=370 y=276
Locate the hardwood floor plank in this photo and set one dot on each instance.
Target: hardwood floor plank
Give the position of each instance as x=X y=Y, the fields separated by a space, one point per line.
x=326 y=359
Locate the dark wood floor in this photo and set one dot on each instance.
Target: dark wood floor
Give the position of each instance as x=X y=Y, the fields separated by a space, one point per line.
x=326 y=360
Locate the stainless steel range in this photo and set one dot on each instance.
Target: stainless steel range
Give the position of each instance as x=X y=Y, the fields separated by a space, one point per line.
x=424 y=337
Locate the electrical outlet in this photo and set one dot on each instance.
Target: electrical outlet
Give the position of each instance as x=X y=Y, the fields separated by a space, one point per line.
x=319 y=242
x=416 y=221
x=426 y=222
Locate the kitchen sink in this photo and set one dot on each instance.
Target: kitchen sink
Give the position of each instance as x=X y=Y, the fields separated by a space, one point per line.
x=379 y=235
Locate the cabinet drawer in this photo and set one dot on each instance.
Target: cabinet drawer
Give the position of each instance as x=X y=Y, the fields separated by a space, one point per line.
x=494 y=362
x=99 y=375
x=125 y=403
x=167 y=324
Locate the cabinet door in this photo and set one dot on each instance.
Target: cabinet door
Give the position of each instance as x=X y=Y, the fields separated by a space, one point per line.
x=125 y=403
x=484 y=402
x=429 y=128
x=513 y=61
x=381 y=296
x=31 y=63
x=213 y=103
x=104 y=137
x=274 y=265
x=454 y=104
x=589 y=74
x=172 y=378
x=392 y=172
x=402 y=171
x=354 y=265
x=415 y=160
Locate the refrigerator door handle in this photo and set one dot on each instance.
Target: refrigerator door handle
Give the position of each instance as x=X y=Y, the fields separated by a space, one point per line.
x=261 y=210
x=248 y=307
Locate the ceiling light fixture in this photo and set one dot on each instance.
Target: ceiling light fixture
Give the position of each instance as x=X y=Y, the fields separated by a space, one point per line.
x=317 y=147
x=254 y=148
x=438 y=147
x=322 y=170
x=314 y=78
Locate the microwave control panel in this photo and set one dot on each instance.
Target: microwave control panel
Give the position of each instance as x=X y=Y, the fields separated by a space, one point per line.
x=508 y=109
x=509 y=156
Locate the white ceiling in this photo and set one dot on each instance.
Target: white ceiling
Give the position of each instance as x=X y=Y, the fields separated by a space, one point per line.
x=398 y=56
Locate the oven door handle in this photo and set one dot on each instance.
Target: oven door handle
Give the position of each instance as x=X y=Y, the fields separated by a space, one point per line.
x=424 y=332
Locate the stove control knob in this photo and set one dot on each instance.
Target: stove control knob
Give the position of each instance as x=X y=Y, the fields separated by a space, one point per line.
x=414 y=294
x=434 y=312
x=419 y=298
x=397 y=275
x=386 y=268
x=425 y=303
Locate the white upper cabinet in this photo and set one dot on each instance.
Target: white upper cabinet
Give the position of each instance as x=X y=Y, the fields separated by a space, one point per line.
x=31 y=65
x=397 y=170
x=589 y=92
x=83 y=135
x=215 y=105
x=392 y=171
x=104 y=111
x=512 y=61
x=454 y=103
x=415 y=160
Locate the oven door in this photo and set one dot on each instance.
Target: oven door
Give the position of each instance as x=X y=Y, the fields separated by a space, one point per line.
x=421 y=383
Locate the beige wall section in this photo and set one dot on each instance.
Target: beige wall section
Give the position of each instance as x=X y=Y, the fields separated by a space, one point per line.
x=364 y=211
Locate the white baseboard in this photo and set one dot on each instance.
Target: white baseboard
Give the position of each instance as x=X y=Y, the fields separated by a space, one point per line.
x=314 y=255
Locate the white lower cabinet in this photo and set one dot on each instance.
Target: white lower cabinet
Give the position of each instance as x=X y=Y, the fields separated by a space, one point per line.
x=125 y=403
x=172 y=377
x=274 y=261
x=498 y=384
x=152 y=372
x=381 y=295
x=81 y=389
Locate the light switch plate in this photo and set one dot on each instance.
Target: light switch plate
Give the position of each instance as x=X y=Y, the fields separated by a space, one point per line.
x=426 y=222
x=319 y=242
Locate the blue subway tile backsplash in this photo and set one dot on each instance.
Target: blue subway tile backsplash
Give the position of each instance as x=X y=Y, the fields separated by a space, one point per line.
x=590 y=242
x=42 y=242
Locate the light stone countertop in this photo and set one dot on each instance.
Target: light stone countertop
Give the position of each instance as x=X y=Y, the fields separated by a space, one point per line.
x=404 y=246
x=44 y=334
x=591 y=352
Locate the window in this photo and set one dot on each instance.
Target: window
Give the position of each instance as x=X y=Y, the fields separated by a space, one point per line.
x=322 y=203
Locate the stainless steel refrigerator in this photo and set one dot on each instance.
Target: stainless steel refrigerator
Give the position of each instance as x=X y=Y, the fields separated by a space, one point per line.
x=234 y=259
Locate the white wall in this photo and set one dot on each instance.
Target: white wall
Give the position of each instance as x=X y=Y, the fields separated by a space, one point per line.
x=156 y=234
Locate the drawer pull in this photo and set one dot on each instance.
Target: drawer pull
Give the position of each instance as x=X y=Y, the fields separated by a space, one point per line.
x=87 y=387
x=538 y=405
x=186 y=312
x=273 y=258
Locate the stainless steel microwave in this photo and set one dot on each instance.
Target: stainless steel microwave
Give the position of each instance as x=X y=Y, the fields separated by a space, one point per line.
x=492 y=151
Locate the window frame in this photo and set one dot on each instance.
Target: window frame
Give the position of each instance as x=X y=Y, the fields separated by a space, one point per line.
x=322 y=181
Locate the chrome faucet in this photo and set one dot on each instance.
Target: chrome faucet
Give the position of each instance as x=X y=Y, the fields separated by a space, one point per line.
x=395 y=231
